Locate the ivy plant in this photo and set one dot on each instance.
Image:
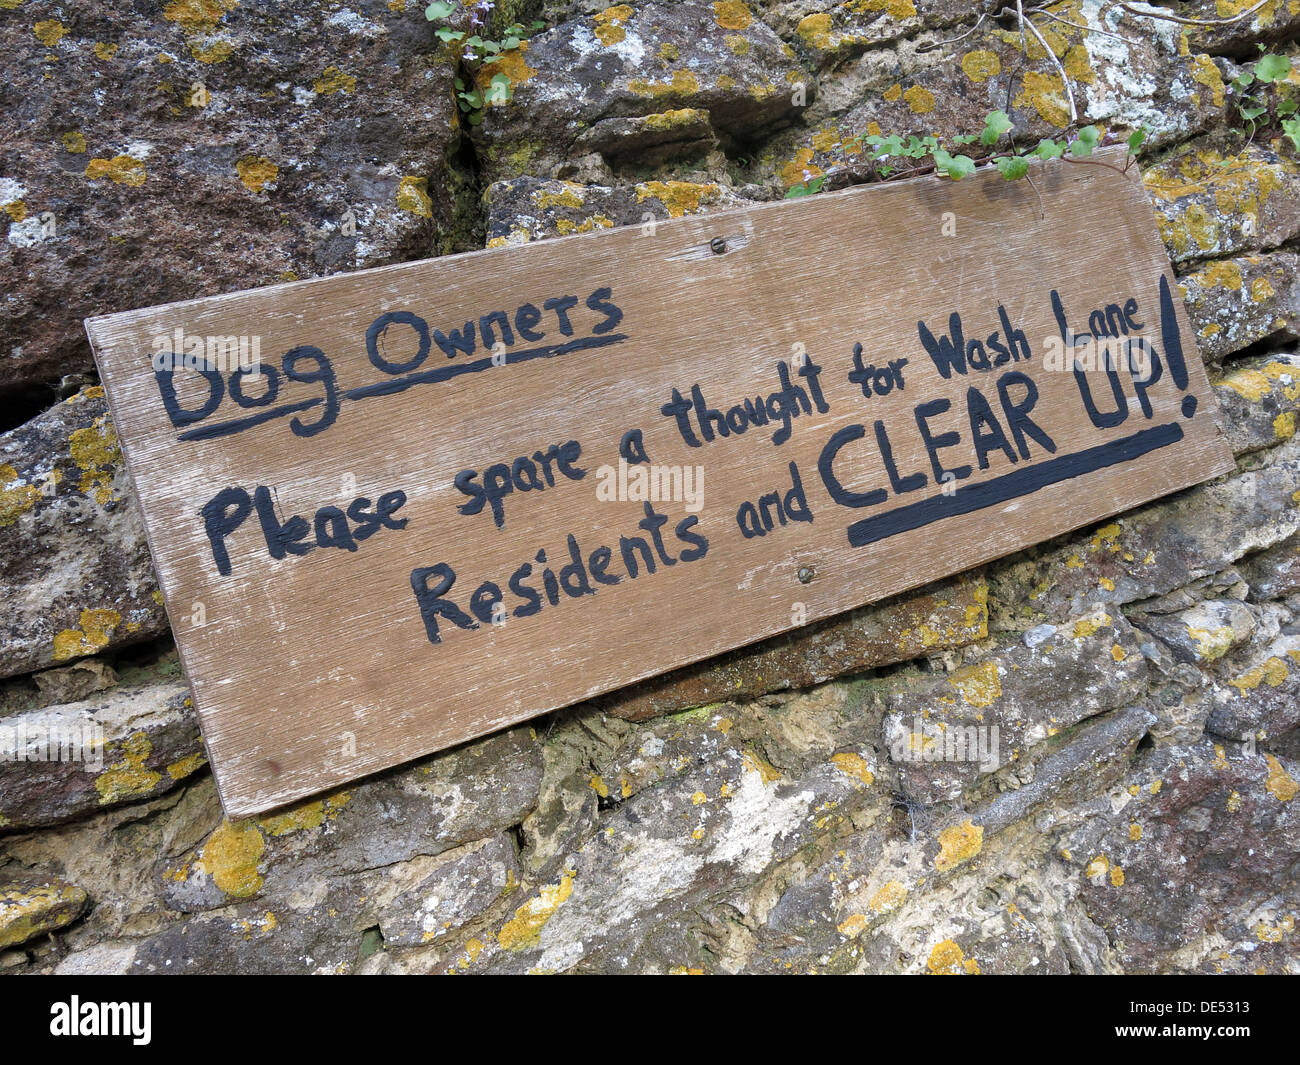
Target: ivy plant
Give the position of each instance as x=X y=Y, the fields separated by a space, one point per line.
x=476 y=51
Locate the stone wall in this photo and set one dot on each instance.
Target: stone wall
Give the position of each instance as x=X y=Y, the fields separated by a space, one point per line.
x=764 y=812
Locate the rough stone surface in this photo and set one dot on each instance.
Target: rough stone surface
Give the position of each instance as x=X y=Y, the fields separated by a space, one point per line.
x=131 y=742
x=1234 y=303
x=222 y=143
x=75 y=575
x=697 y=68
x=771 y=811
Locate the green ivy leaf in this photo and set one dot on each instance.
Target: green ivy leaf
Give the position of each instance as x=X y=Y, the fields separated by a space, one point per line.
x=492 y=47
x=1251 y=113
x=1136 y=138
x=475 y=42
x=1086 y=141
x=1291 y=127
x=995 y=125
x=493 y=58
x=476 y=118
x=956 y=166
x=1013 y=168
x=537 y=24
x=459 y=83
x=1049 y=149
x=1287 y=107
x=438 y=9
x=500 y=79
x=1272 y=68
x=445 y=34
x=510 y=42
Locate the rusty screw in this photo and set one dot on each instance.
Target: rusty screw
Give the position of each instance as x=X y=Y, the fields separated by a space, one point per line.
x=805 y=574
x=718 y=245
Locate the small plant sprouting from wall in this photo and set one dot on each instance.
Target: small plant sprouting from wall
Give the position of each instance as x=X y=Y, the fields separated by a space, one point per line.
x=479 y=47
x=895 y=156
x=1262 y=98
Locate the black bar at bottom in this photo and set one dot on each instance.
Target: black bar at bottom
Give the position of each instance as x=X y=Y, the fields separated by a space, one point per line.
x=1012 y=485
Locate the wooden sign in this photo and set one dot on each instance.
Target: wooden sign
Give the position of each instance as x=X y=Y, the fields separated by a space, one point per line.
x=397 y=509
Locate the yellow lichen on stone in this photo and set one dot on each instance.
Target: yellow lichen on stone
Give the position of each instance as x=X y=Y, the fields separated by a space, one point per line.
x=739 y=45
x=815 y=30
x=678 y=197
x=97 y=452
x=1097 y=868
x=755 y=763
x=213 y=51
x=73 y=142
x=29 y=912
x=609 y=24
x=1044 y=93
x=598 y=785
x=682 y=117
x=920 y=100
x=97 y=628
x=569 y=196
x=512 y=64
x=731 y=14
x=129 y=777
x=1272 y=671
x=16 y=498
x=121 y=169
x=1279 y=783
x=104 y=50
x=1085 y=627
x=191 y=763
x=978 y=684
x=525 y=928
x=197 y=14
x=231 y=856
x=256 y=172
x=854 y=765
x=413 y=196
x=889 y=897
x=333 y=80
x=1135 y=831
x=853 y=925
x=948 y=959
x=1284 y=425
x=49 y=32
x=959 y=843
x=898 y=9
x=981 y=64
x=1204 y=72
x=1078 y=64
x=682 y=83
x=1222 y=274
x=1211 y=644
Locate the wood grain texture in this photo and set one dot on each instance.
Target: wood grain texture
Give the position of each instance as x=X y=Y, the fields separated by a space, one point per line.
x=313 y=670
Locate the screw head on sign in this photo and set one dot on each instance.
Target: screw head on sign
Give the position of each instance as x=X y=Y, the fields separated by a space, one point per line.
x=718 y=245
x=805 y=574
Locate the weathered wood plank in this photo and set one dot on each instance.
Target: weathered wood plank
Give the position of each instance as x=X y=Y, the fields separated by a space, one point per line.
x=313 y=668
